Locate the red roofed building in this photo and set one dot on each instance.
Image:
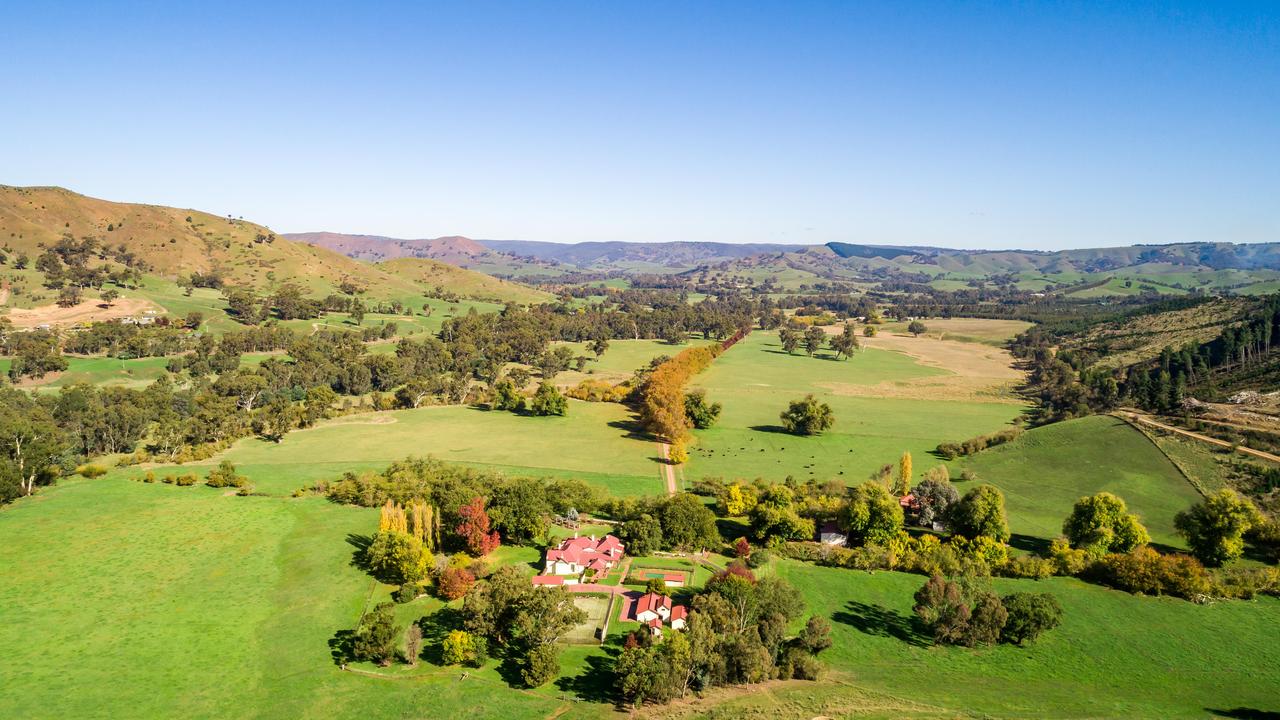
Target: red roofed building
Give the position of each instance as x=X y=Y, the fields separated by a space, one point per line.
x=652 y=607
x=655 y=627
x=577 y=554
x=548 y=580
x=679 y=617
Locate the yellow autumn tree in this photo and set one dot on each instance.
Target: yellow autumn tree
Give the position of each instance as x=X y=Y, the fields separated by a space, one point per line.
x=739 y=500
x=393 y=519
x=904 y=475
x=422 y=523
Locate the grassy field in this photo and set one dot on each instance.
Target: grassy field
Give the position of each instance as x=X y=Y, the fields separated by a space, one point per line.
x=232 y=616
x=593 y=443
x=876 y=417
x=620 y=361
x=1046 y=470
x=1115 y=655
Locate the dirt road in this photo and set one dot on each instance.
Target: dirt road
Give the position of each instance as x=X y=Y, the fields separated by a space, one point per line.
x=668 y=470
x=1148 y=420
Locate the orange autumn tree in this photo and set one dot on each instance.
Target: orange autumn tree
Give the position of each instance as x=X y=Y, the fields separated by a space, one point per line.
x=662 y=398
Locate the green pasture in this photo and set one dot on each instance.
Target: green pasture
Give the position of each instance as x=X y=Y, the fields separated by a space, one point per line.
x=593 y=442
x=755 y=380
x=1115 y=655
x=1047 y=469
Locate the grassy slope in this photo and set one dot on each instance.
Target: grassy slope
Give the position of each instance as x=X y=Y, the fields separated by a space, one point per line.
x=755 y=380
x=1116 y=655
x=583 y=444
x=1046 y=470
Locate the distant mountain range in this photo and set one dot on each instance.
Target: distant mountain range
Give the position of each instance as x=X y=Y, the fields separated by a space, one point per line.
x=678 y=256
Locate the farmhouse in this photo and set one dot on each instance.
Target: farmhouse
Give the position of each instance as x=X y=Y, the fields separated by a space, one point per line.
x=577 y=555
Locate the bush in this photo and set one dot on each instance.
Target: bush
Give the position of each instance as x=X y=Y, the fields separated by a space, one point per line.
x=407 y=592
x=186 y=480
x=225 y=476
x=1066 y=559
x=593 y=390
x=1028 y=566
x=1246 y=582
x=548 y=401
x=540 y=666
x=1029 y=616
x=150 y=477
x=91 y=471
x=1148 y=572
x=951 y=451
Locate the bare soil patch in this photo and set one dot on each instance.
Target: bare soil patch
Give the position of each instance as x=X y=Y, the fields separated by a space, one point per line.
x=977 y=372
x=85 y=312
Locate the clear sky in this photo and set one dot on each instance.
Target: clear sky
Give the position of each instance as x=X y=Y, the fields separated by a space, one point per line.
x=966 y=124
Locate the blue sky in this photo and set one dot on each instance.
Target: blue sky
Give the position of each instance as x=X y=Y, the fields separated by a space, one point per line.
x=1031 y=125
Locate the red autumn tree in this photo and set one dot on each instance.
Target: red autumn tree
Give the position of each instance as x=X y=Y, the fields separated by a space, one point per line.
x=742 y=548
x=455 y=582
x=474 y=529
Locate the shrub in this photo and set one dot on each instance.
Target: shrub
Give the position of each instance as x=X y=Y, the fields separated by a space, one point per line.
x=150 y=477
x=91 y=471
x=1029 y=616
x=186 y=480
x=1066 y=559
x=1246 y=582
x=1028 y=566
x=1148 y=572
x=1102 y=523
x=548 y=401
x=460 y=647
x=951 y=451
x=224 y=476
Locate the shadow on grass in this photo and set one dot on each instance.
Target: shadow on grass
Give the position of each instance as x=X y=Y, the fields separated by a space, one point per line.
x=1244 y=713
x=340 y=647
x=434 y=629
x=770 y=429
x=596 y=682
x=1029 y=543
x=876 y=620
x=632 y=429
x=361 y=543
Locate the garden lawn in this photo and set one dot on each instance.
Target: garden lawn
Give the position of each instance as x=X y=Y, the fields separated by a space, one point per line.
x=592 y=443
x=1115 y=655
x=755 y=381
x=1047 y=469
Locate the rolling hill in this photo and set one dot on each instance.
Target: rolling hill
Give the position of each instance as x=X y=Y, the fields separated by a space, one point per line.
x=460 y=281
x=173 y=242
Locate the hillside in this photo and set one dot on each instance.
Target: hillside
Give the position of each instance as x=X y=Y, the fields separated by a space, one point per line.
x=454 y=249
x=460 y=281
x=173 y=242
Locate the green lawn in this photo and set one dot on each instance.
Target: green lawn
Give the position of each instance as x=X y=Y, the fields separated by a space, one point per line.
x=621 y=359
x=1047 y=469
x=755 y=381
x=1115 y=655
x=591 y=443
x=135 y=373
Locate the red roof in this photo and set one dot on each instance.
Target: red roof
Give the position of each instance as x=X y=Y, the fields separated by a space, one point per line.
x=679 y=612
x=582 y=550
x=651 y=602
x=548 y=579
x=655 y=623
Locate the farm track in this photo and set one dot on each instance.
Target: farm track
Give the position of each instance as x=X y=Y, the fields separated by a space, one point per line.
x=668 y=472
x=1148 y=420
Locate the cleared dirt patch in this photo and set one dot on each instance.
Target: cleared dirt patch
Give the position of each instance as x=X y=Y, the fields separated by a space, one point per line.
x=85 y=312
x=978 y=372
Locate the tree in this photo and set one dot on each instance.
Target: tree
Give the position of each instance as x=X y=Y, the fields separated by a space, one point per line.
x=1214 y=528
x=775 y=519
x=460 y=647
x=506 y=396
x=641 y=535
x=687 y=523
x=903 y=485
x=980 y=513
x=869 y=331
x=275 y=419
x=813 y=339
x=554 y=361
x=473 y=528
x=109 y=296
x=657 y=586
x=599 y=346
x=816 y=635
x=455 y=582
x=845 y=343
x=934 y=498
x=872 y=515
x=519 y=509
x=738 y=500
x=1029 y=616
x=375 y=638
x=31 y=443
x=357 y=312
x=1102 y=523
x=397 y=558
x=69 y=296
x=941 y=607
x=916 y=328
x=548 y=401
x=701 y=414
x=807 y=416
x=413 y=643
x=790 y=339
